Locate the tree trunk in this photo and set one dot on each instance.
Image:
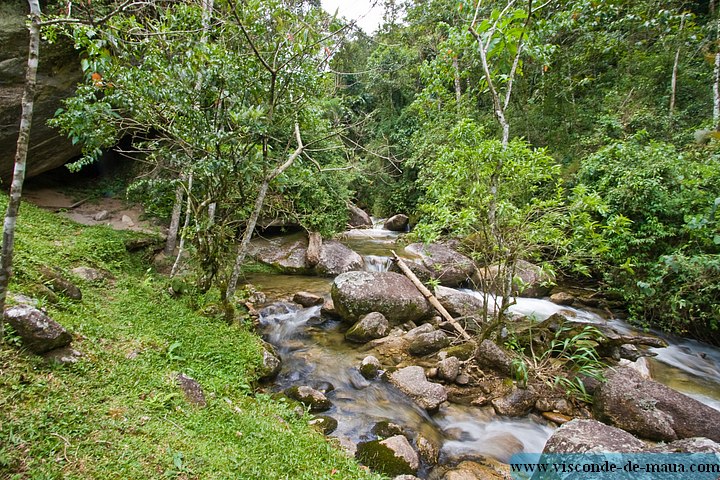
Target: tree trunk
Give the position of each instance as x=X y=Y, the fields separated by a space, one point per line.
x=673 y=79
x=252 y=221
x=181 y=248
x=28 y=100
x=174 y=221
x=458 y=91
x=716 y=93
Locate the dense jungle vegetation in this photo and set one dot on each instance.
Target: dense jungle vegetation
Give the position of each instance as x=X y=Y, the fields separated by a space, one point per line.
x=578 y=134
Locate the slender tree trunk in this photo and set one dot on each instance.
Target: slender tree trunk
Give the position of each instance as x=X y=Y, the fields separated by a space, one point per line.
x=716 y=93
x=252 y=221
x=181 y=248
x=673 y=79
x=23 y=142
x=458 y=91
x=174 y=221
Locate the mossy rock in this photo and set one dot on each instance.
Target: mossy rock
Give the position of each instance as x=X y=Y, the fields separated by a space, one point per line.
x=463 y=351
x=392 y=456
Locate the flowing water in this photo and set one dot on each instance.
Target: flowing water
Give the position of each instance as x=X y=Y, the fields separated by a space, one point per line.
x=317 y=354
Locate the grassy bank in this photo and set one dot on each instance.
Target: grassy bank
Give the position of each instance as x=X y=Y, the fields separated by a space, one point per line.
x=118 y=413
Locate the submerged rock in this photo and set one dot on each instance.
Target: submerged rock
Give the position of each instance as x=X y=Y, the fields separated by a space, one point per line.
x=38 y=332
x=370 y=367
x=315 y=400
x=356 y=294
x=413 y=383
x=651 y=410
x=370 y=327
x=392 y=456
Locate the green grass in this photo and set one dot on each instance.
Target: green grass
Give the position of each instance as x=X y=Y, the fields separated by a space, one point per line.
x=118 y=414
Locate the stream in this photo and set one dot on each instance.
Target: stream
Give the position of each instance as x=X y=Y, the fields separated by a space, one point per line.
x=317 y=354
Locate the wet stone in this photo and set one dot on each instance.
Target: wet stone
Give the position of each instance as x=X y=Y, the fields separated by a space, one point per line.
x=324 y=424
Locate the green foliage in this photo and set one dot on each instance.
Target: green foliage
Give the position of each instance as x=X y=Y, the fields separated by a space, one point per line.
x=569 y=356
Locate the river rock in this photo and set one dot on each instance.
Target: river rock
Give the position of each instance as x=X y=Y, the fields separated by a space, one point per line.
x=413 y=383
x=192 y=389
x=324 y=424
x=386 y=429
x=59 y=283
x=285 y=254
x=307 y=299
x=489 y=356
x=651 y=410
x=517 y=404
x=428 y=449
x=58 y=74
x=315 y=400
x=562 y=298
x=591 y=436
x=271 y=362
x=358 y=293
x=369 y=327
x=397 y=223
x=464 y=351
x=329 y=309
x=357 y=217
x=460 y=304
x=441 y=262
x=38 y=332
x=336 y=258
x=392 y=456
x=448 y=368
x=427 y=343
x=489 y=469
x=688 y=445
x=370 y=367
x=534 y=279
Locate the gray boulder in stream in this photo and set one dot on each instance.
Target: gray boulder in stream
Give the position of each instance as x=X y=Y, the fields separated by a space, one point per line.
x=439 y=262
x=358 y=293
x=392 y=456
x=413 y=383
x=652 y=410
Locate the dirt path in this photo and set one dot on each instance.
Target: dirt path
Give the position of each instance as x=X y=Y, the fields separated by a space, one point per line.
x=112 y=212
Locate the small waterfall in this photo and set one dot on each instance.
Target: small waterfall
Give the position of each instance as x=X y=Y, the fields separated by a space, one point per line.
x=377 y=263
x=283 y=321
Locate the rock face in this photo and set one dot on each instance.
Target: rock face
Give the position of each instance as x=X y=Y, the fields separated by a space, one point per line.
x=651 y=410
x=397 y=223
x=392 y=456
x=59 y=72
x=591 y=436
x=531 y=275
x=358 y=293
x=39 y=333
x=371 y=326
x=288 y=255
x=412 y=382
x=358 y=218
x=441 y=263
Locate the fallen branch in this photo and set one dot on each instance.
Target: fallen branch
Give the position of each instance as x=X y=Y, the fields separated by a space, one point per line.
x=429 y=296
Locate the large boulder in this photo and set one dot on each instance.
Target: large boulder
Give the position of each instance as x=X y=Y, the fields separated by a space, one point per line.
x=460 y=304
x=535 y=282
x=397 y=223
x=358 y=293
x=358 y=218
x=413 y=383
x=38 y=332
x=371 y=326
x=58 y=74
x=651 y=410
x=336 y=258
x=440 y=262
x=392 y=456
x=288 y=254
x=591 y=436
